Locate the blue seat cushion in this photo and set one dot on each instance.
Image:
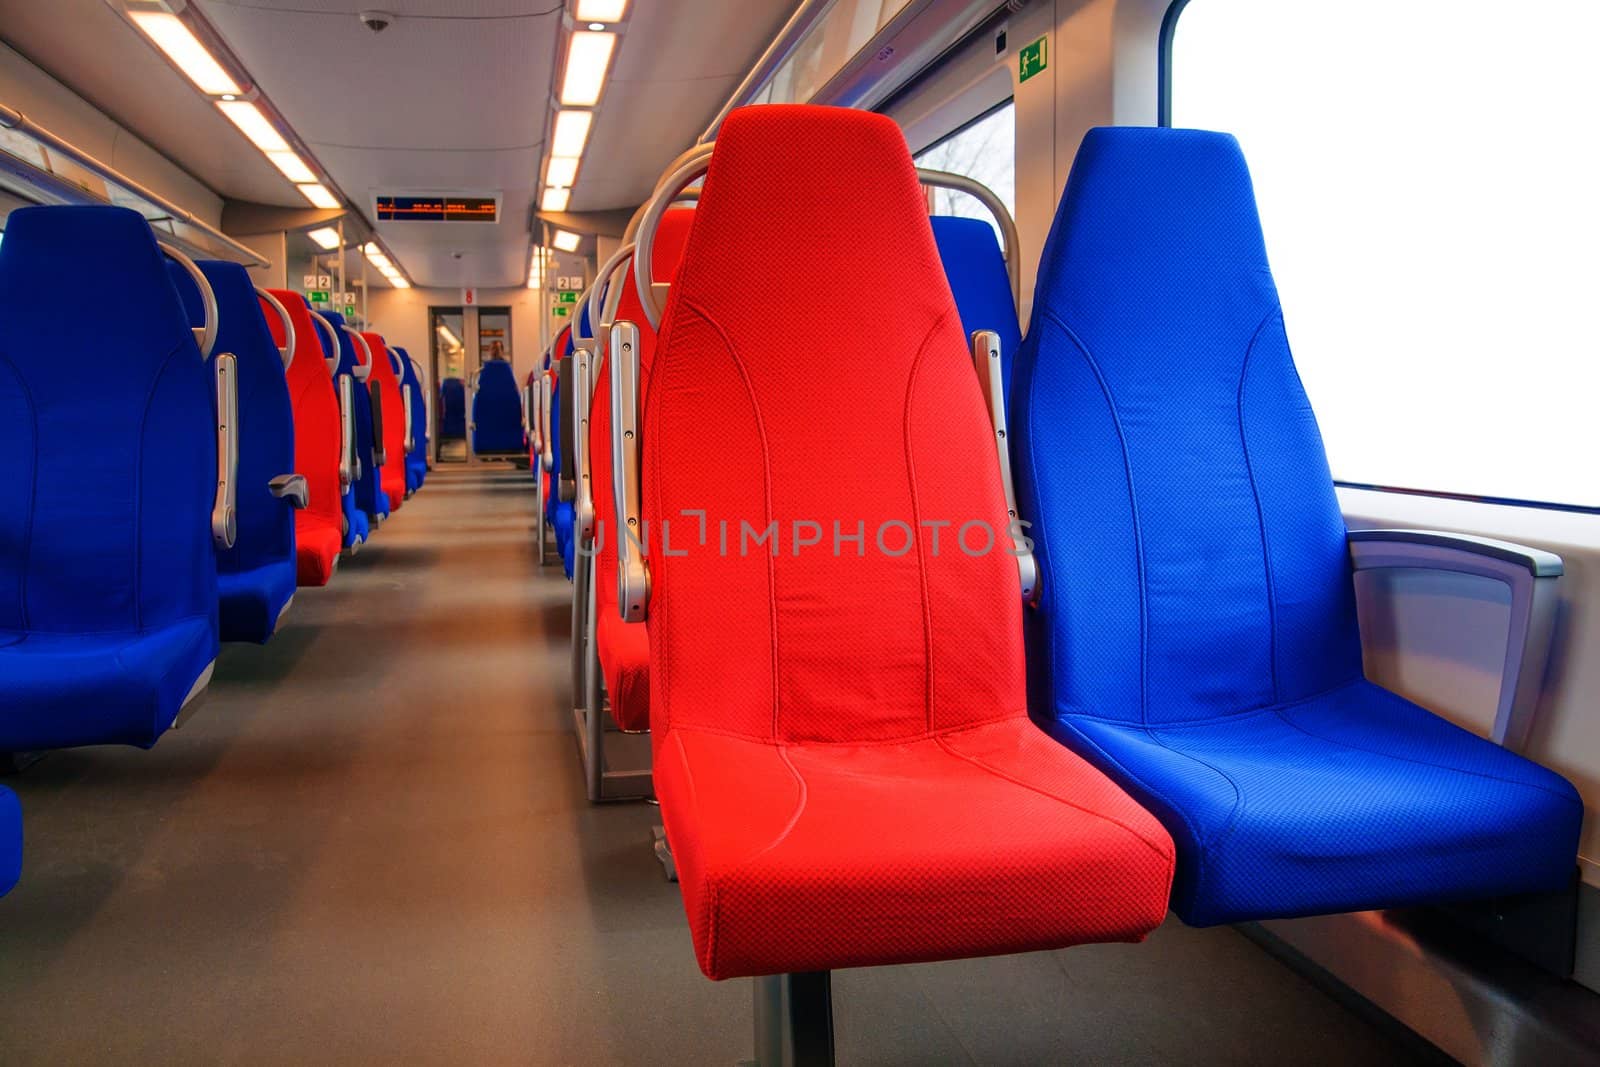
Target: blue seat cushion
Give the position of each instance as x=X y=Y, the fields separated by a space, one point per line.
x=252 y=600
x=10 y=840
x=61 y=690
x=1353 y=799
x=357 y=526
x=564 y=540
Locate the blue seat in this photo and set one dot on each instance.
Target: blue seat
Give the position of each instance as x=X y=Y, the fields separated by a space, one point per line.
x=417 y=458
x=369 y=495
x=108 y=576
x=976 y=270
x=452 y=410
x=1196 y=632
x=256 y=578
x=10 y=840
x=356 y=526
x=558 y=512
x=496 y=410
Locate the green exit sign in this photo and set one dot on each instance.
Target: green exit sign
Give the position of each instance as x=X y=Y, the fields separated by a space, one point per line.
x=320 y=296
x=1031 y=60
x=567 y=298
x=350 y=311
x=559 y=312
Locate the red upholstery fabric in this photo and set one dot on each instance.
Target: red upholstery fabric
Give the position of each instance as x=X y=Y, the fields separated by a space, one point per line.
x=842 y=753
x=317 y=528
x=393 y=475
x=625 y=650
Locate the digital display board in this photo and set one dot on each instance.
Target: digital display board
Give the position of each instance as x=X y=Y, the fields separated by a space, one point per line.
x=437 y=208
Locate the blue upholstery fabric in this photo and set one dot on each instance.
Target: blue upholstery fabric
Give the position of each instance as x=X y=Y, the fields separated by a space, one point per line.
x=108 y=579
x=497 y=410
x=10 y=840
x=251 y=599
x=452 y=409
x=976 y=270
x=369 y=494
x=559 y=512
x=417 y=458
x=1196 y=634
x=356 y=524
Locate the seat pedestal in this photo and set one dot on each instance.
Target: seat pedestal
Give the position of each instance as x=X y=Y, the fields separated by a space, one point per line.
x=794 y=1020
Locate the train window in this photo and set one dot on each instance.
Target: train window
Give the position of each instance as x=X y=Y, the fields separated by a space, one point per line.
x=984 y=150
x=1428 y=196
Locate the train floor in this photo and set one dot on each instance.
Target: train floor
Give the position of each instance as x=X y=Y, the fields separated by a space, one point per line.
x=370 y=845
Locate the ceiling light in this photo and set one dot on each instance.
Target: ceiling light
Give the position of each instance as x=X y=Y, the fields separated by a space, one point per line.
x=448 y=337
x=563 y=171
x=254 y=125
x=602 y=10
x=293 y=167
x=597 y=25
x=571 y=133
x=399 y=282
x=173 y=37
x=555 y=199
x=327 y=238
x=370 y=248
x=588 y=57
x=319 y=196
x=566 y=241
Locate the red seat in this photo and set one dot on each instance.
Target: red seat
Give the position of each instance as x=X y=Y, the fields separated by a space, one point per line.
x=392 y=477
x=842 y=752
x=318 y=528
x=624 y=650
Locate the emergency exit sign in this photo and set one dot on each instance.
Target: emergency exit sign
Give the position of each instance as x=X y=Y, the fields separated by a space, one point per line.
x=320 y=296
x=1031 y=60
x=567 y=298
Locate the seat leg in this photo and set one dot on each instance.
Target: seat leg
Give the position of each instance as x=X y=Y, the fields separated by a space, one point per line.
x=794 y=1020
x=663 y=850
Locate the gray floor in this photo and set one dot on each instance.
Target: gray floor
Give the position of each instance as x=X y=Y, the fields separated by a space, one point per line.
x=370 y=845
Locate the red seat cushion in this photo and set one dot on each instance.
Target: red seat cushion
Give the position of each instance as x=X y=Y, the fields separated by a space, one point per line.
x=985 y=840
x=317 y=543
x=842 y=751
x=317 y=439
x=393 y=476
x=624 y=650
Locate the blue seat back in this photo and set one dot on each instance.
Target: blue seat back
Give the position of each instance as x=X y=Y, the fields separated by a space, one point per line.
x=452 y=408
x=369 y=494
x=417 y=458
x=356 y=525
x=497 y=409
x=976 y=270
x=1193 y=554
x=107 y=429
x=266 y=415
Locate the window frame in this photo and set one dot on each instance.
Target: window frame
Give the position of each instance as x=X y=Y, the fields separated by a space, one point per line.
x=1169 y=30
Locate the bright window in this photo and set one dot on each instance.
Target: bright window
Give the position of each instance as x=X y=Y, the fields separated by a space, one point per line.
x=986 y=151
x=1427 y=173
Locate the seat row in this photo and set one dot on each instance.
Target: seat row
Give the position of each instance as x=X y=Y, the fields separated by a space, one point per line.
x=899 y=711
x=183 y=450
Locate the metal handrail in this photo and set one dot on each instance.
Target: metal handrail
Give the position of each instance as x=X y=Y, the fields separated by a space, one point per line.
x=12 y=119
x=205 y=336
x=333 y=341
x=287 y=351
x=988 y=198
x=693 y=164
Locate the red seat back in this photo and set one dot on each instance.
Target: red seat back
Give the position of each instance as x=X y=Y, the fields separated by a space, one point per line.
x=393 y=475
x=317 y=441
x=807 y=211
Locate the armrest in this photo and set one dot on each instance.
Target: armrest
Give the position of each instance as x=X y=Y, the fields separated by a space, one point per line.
x=583 y=498
x=1532 y=576
x=411 y=440
x=293 y=488
x=986 y=361
x=224 y=518
x=349 y=465
x=547 y=458
x=567 y=477
x=633 y=572
x=375 y=393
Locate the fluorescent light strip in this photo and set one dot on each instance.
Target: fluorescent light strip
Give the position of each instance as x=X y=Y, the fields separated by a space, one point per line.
x=254 y=125
x=555 y=199
x=399 y=282
x=186 y=52
x=588 y=59
x=571 y=133
x=319 y=196
x=562 y=171
x=293 y=167
x=326 y=238
x=601 y=10
x=566 y=241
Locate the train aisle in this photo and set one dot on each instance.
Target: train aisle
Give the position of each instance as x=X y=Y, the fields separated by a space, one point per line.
x=370 y=844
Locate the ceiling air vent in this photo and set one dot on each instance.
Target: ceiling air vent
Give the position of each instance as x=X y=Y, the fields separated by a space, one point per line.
x=437 y=207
